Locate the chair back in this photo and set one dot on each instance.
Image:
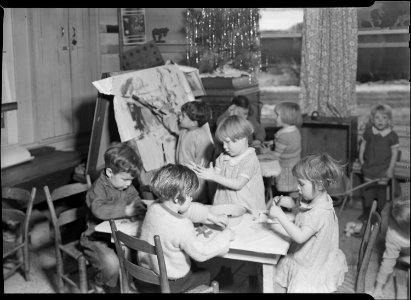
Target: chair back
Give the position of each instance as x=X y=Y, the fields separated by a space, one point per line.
x=128 y=267
x=14 y=197
x=69 y=215
x=367 y=244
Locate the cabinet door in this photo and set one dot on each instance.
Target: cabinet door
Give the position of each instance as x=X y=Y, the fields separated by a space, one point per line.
x=51 y=72
x=84 y=56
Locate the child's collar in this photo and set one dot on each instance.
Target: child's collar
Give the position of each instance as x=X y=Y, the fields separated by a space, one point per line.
x=235 y=160
x=383 y=132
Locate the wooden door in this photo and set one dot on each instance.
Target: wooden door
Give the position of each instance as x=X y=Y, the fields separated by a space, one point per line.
x=51 y=72
x=65 y=62
x=84 y=56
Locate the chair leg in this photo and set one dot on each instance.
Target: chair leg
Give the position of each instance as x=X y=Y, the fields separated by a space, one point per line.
x=82 y=274
x=60 y=271
x=26 y=262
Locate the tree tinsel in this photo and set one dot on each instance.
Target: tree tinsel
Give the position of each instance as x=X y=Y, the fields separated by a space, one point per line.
x=223 y=36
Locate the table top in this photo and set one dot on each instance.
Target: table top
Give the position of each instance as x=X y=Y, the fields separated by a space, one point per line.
x=252 y=238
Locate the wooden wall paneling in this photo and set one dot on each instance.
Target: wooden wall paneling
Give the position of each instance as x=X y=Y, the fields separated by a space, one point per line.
x=84 y=54
x=23 y=75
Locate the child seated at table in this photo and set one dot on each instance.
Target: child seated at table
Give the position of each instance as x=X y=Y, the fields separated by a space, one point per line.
x=111 y=196
x=397 y=243
x=172 y=217
x=195 y=142
x=287 y=143
x=314 y=263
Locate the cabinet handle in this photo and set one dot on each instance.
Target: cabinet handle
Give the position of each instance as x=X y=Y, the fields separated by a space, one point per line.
x=74 y=41
x=62 y=30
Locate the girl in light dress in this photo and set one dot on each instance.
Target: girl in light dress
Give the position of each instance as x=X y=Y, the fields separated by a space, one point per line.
x=237 y=170
x=314 y=263
x=287 y=145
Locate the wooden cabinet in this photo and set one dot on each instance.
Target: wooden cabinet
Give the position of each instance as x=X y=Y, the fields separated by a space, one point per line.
x=63 y=60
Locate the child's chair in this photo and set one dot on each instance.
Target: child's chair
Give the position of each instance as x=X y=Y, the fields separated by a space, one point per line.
x=354 y=281
x=16 y=239
x=130 y=268
x=76 y=215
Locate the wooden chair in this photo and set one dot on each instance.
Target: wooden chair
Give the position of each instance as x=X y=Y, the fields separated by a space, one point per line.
x=70 y=249
x=16 y=250
x=129 y=268
x=354 y=281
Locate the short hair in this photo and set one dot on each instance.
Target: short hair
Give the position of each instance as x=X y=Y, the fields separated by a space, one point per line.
x=120 y=157
x=234 y=127
x=384 y=109
x=243 y=102
x=174 y=182
x=400 y=212
x=197 y=111
x=290 y=113
x=320 y=169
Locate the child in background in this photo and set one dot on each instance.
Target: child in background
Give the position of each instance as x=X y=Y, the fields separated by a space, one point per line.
x=314 y=263
x=378 y=154
x=111 y=196
x=195 y=142
x=397 y=242
x=240 y=106
x=171 y=217
x=287 y=142
x=237 y=171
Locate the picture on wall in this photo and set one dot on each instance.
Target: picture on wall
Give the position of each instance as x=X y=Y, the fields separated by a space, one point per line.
x=133 y=25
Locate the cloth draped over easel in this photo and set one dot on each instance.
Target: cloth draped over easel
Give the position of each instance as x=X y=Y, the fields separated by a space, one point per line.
x=329 y=61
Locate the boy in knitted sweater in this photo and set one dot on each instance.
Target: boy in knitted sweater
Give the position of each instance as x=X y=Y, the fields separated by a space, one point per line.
x=172 y=217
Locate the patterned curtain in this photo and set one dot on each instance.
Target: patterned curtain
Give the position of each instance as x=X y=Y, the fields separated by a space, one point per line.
x=329 y=61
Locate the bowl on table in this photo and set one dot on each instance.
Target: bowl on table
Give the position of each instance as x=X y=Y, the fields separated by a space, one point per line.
x=233 y=211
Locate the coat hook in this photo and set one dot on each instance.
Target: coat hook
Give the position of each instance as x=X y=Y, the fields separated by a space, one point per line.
x=74 y=41
x=62 y=30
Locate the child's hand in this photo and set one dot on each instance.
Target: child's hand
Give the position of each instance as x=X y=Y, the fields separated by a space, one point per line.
x=136 y=208
x=273 y=201
x=220 y=220
x=231 y=233
x=275 y=211
x=204 y=173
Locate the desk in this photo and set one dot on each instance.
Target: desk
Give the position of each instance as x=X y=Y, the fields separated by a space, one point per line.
x=255 y=242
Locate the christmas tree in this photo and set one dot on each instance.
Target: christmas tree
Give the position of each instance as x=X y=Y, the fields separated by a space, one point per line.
x=219 y=37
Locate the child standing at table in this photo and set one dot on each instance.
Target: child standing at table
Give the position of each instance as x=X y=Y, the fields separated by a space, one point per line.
x=397 y=242
x=314 y=263
x=237 y=171
x=378 y=154
x=195 y=142
x=172 y=217
x=111 y=196
x=287 y=143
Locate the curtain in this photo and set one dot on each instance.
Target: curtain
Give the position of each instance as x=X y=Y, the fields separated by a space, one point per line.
x=329 y=61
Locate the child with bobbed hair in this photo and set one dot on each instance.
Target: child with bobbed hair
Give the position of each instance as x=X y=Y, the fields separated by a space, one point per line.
x=397 y=243
x=378 y=155
x=111 y=196
x=172 y=217
x=314 y=263
x=237 y=170
x=195 y=142
x=287 y=145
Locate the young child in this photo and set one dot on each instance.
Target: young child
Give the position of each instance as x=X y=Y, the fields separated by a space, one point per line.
x=237 y=171
x=378 y=154
x=314 y=263
x=397 y=242
x=195 y=142
x=111 y=196
x=241 y=106
x=287 y=142
x=171 y=217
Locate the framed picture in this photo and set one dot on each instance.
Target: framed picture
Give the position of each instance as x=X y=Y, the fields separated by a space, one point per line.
x=132 y=25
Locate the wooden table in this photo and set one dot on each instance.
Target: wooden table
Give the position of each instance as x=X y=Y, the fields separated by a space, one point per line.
x=263 y=243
